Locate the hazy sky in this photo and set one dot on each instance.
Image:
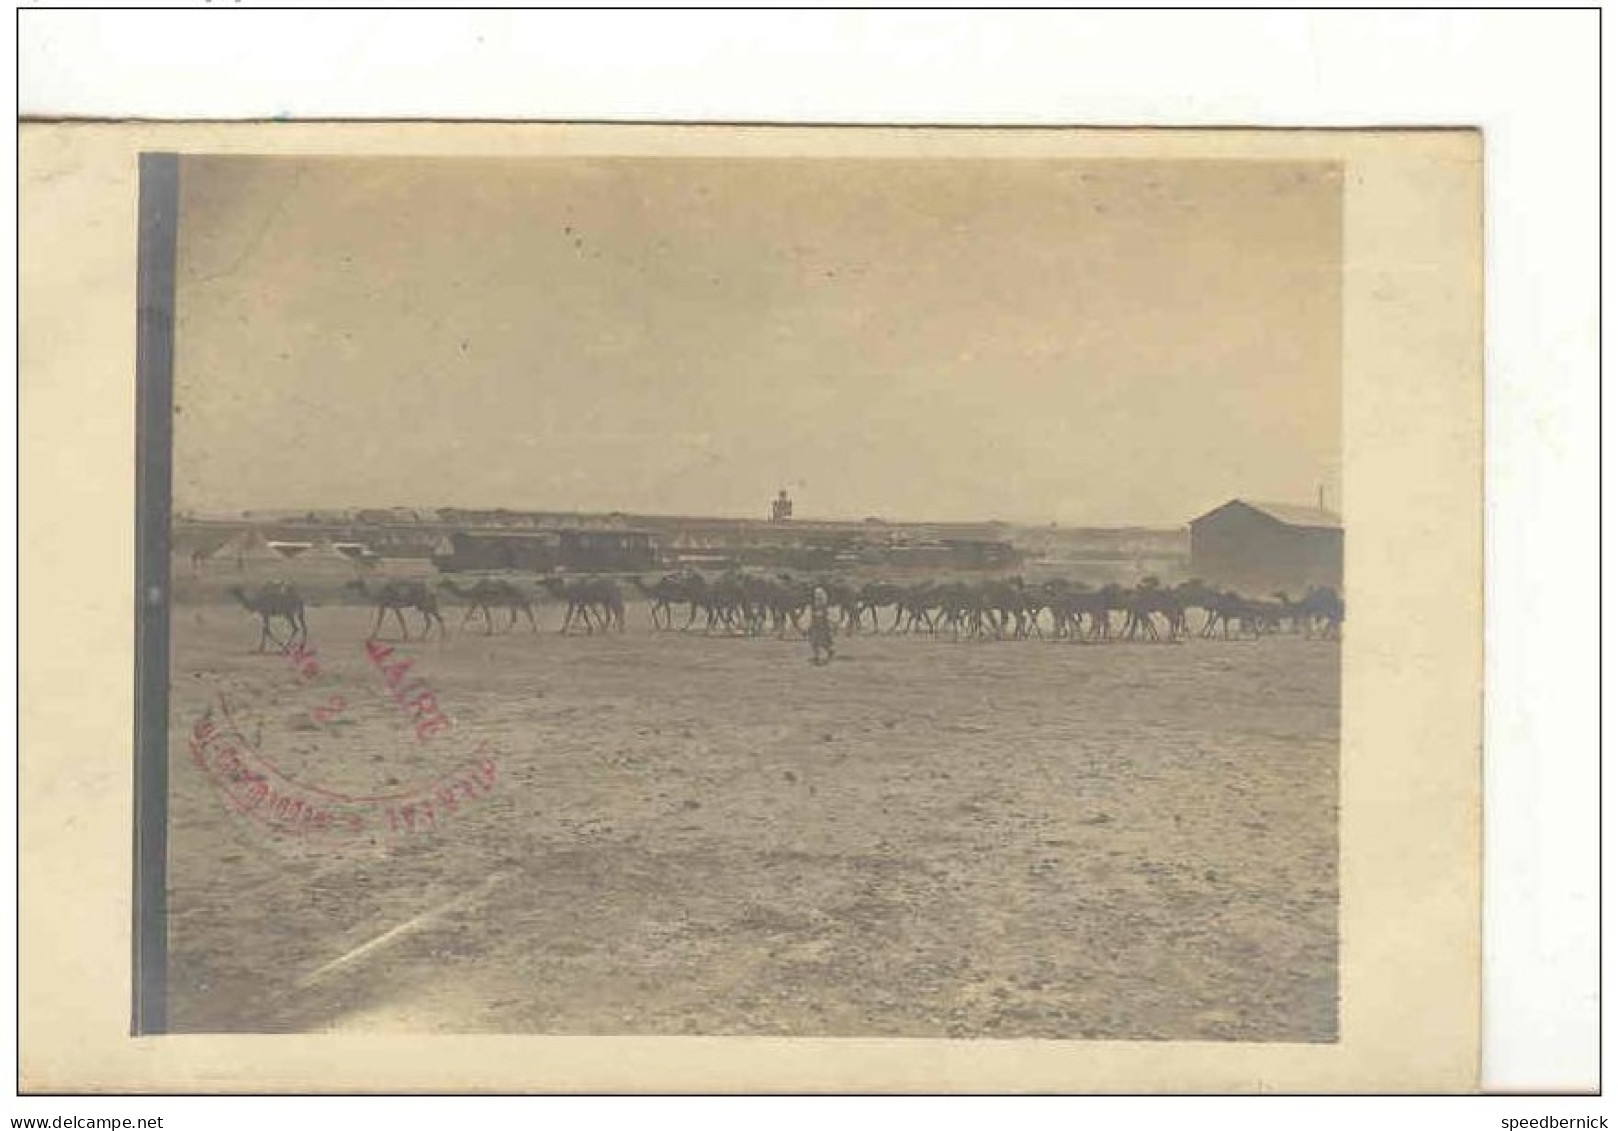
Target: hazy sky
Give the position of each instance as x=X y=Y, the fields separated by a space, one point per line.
x=1032 y=340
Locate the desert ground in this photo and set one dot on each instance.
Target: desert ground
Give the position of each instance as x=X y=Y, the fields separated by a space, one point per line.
x=681 y=834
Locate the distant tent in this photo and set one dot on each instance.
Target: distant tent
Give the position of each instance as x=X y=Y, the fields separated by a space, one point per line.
x=248 y=547
x=289 y=550
x=357 y=552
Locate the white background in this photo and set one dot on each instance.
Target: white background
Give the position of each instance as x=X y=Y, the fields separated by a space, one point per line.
x=1528 y=79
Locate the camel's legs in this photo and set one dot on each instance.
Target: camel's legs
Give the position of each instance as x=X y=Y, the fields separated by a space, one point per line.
x=404 y=628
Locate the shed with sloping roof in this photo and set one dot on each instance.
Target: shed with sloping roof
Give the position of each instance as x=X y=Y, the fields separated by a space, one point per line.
x=1262 y=548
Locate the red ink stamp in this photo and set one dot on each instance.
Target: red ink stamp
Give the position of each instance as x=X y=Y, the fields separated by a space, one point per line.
x=285 y=756
x=412 y=696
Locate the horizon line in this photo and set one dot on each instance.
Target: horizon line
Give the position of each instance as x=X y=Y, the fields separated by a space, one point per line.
x=296 y=512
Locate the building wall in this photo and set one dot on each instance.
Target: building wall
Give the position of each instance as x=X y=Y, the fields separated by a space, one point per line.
x=1257 y=555
x=607 y=550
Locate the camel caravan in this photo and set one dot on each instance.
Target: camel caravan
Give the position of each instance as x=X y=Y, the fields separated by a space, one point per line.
x=739 y=603
x=742 y=604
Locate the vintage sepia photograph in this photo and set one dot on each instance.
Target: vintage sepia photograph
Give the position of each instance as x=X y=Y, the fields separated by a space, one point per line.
x=752 y=596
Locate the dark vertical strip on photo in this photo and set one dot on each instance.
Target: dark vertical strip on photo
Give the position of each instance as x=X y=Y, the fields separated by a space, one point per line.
x=154 y=398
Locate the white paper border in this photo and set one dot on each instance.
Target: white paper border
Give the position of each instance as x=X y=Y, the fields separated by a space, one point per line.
x=1528 y=79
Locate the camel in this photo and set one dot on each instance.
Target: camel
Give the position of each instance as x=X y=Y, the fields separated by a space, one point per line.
x=786 y=599
x=762 y=603
x=916 y=605
x=395 y=597
x=1220 y=609
x=1263 y=617
x=488 y=594
x=584 y=596
x=1149 y=599
x=1288 y=611
x=725 y=601
x=872 y=598
x=961 y=605
x=695 y=597
x=1197 y=594
x=688 y=587
x=844 y=598
x=1100 y=605
x=1231 y=608
x=1008 y=602
x=661 y=597
x=758 y=595
x=278 y=601
x=1322 y=611
x=1067 y=602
